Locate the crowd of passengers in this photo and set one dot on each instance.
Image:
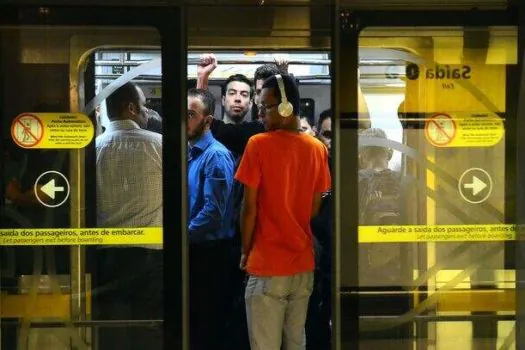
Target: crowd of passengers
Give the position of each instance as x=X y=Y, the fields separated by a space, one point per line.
x=259 y=215
x=259 y=203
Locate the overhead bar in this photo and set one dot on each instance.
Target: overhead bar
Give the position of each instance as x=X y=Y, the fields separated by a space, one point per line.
x=245 y=60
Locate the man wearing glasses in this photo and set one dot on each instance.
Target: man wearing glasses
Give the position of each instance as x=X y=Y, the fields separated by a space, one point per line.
x=284 y=172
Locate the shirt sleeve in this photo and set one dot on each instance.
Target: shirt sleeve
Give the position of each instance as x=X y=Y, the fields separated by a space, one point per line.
x=324 y=181
x=218 y=187
x=249 y=171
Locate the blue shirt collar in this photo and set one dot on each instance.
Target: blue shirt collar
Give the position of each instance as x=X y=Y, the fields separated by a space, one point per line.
x=205 y=140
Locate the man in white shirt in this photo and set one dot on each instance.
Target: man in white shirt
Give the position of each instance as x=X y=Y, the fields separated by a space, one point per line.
x=129 y=194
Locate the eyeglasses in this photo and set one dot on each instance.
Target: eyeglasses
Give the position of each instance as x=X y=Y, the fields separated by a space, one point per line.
x=264 y=109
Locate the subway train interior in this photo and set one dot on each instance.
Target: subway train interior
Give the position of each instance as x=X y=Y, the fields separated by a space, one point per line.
x=436 y=86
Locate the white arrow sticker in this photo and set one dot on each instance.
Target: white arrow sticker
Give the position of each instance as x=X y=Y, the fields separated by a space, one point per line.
x=471 y=192
x=50 y=189
x=476 y=185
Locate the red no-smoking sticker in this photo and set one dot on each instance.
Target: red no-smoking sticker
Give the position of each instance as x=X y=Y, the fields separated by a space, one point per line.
x=27 y=130
x=440 y=130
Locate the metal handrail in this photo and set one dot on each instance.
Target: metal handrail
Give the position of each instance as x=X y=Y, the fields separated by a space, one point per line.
x=96 y=323
x=443 y=318
x=159 y=77
x=159 y=323
x=307 y=62
x=140 y=77
x=256 y=60
x=244 y=60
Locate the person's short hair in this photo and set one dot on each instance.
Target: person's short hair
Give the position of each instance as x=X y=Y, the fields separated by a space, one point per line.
x=290 y=88
x=118 y=100
x=206 y=97
x=240 y=78
x=327 y=113
x=192 y=84
x=375 y=151
x=265 y=71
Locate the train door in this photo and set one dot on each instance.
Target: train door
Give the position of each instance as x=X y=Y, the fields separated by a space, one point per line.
x=58 y=249
x=426 y=264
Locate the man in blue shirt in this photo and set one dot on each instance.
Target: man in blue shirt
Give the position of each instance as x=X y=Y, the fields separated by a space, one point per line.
x=210 y=224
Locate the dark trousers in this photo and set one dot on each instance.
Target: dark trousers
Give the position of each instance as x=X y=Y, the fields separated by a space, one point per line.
x=129 y=288
x=210 y=266
x=318 y=331
x=236 y=322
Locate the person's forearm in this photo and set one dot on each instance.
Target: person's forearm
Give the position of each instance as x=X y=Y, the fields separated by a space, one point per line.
x=202 y=82
x=248 y=217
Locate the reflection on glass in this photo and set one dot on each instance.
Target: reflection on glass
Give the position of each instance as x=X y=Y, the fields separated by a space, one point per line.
x=432 y=186
x=61 y=283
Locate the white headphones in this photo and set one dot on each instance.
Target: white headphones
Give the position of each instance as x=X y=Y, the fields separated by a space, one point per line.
x=285 y=108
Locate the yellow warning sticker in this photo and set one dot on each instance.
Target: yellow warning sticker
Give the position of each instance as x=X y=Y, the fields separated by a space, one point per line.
x=81 y=236
x=52 y=130
x=482 y=130
x=436 y=233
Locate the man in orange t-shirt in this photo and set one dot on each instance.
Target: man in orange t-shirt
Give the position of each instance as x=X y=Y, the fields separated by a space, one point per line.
x=284 y=173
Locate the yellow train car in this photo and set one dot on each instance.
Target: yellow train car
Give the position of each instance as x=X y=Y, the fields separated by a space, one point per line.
x=442 y=81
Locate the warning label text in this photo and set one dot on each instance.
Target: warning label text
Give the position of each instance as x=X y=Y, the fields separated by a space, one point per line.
x=84 y=236
x=436 y=233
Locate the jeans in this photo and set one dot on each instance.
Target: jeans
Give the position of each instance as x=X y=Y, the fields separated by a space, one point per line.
x=276 y=310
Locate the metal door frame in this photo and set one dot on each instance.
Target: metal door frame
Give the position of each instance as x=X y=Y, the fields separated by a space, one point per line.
x=170 y=22
x=347 y=25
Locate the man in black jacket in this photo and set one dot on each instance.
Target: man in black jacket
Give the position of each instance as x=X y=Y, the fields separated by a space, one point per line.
x=233 y=136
